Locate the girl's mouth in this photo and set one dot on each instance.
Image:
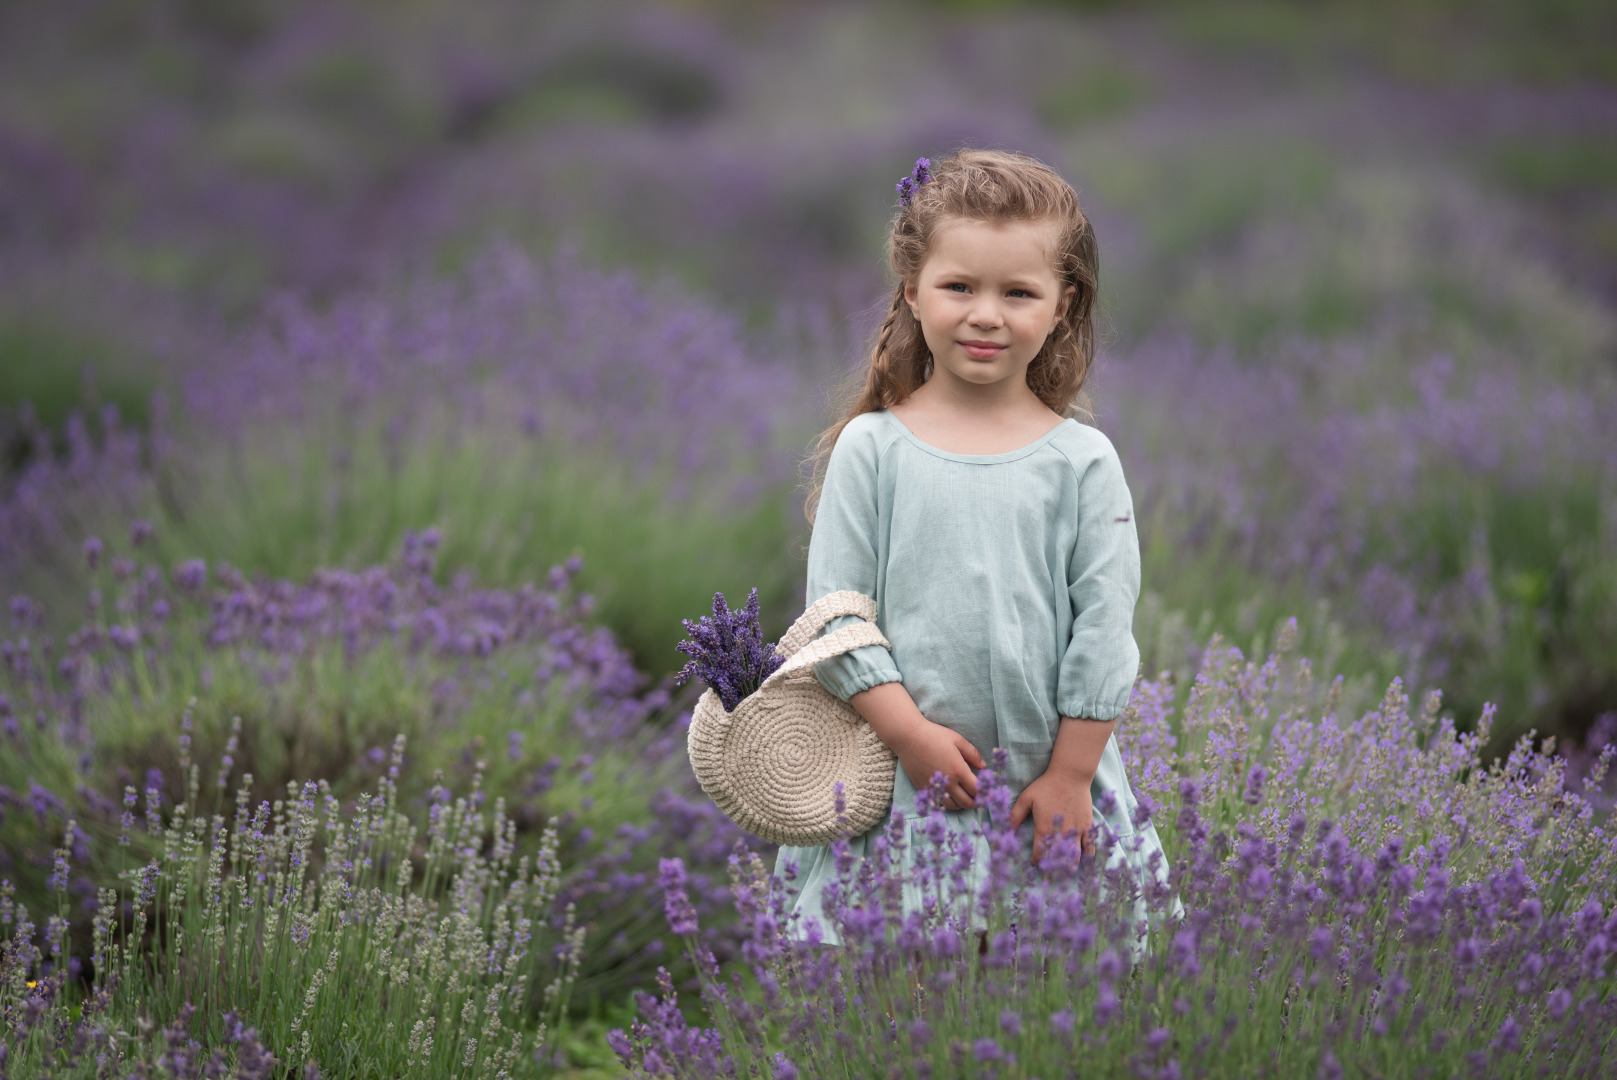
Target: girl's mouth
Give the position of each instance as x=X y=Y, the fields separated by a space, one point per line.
x=982 y=350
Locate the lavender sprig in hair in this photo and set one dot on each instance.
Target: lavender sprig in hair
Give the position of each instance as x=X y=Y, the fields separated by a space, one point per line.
x=906 y=186
x=727 y=651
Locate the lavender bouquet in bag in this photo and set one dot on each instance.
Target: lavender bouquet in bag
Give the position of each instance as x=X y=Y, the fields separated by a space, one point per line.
x=776 y=752
x=727 y=651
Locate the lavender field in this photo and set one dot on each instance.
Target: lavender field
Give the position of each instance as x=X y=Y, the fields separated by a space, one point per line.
x=381 y=384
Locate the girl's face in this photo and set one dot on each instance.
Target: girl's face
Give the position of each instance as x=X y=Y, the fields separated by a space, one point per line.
x=987 y=297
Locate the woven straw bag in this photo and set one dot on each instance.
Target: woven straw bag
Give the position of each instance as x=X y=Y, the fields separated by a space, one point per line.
x=772 y=765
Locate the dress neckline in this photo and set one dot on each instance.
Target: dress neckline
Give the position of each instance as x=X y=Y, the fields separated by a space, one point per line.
x=978 y=459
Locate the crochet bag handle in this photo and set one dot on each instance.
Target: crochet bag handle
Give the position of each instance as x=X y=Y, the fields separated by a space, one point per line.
x=810 y=650
x=822 y=611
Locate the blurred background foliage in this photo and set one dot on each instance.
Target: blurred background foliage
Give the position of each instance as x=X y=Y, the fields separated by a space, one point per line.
x=1277 y=186
x=291 y=278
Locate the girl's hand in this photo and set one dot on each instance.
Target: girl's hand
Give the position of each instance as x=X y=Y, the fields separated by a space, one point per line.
x=1064 y=787
x=1051 y=794
x=922 y=747
x=927 y=749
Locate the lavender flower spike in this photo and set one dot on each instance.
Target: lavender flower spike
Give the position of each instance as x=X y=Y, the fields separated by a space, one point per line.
x=906 y=186
x=728 y=651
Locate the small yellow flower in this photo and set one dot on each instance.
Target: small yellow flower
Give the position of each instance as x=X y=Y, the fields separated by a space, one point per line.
x=32 y=984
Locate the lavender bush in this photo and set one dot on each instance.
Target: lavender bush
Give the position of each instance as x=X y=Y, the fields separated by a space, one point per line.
x=511 y=688
x=1272 y=735
x=1356 y=895
x=314 y=927
x=1296 y=955
x=727 y=651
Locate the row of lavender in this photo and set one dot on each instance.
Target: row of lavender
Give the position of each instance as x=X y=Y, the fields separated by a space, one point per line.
x=1454 y=514
x=531 y=408
x=1344 y=377
x=1345 y=898
x=1296 y=955
x=1366 y=823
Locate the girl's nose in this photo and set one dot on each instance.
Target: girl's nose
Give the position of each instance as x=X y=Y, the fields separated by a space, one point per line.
x=984 y=313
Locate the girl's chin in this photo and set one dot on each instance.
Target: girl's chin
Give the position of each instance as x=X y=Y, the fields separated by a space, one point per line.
x=980 y=374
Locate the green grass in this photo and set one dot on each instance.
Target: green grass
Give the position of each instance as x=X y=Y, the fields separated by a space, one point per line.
x=1556 y=167
x=57 y=370
x=1101 y=90
x=1539 y=643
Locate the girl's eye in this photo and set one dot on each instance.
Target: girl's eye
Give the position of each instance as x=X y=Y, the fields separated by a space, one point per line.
x=958 y=287
x=1021 y=293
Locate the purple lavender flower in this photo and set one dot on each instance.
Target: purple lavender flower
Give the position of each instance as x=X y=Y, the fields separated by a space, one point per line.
x=676 y=901
x=1254 y=785
x=728 y=651
x=191 y=574
x=907 y=185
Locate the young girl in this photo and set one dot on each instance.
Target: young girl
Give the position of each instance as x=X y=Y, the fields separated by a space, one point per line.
x=994 y=530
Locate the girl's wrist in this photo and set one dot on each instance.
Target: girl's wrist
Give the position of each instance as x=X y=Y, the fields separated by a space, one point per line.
x=890 y=712
x=1079 y=745
x=1071 y=771
x=899 y=732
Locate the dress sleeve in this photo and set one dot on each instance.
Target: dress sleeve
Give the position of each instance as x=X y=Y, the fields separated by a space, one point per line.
x=842 y=554
x=1102 y=658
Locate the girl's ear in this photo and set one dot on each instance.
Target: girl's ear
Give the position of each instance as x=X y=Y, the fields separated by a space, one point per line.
x=1061 y=306
x=909 y=298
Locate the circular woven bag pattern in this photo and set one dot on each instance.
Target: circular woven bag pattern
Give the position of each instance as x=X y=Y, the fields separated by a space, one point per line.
x=773 y=764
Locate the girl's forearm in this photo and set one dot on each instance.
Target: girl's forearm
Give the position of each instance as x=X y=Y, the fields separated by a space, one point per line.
x=1079 y=745
x=890 y=711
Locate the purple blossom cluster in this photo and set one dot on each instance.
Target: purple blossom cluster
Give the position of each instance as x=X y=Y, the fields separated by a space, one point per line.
x=1291 y=956
x=906 y=185
x=86 y=1043
x=1268 y=742
x=153 y=615
x=727 y=651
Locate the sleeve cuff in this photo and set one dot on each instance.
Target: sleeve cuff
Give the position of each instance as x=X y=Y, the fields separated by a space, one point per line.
x=1088 y=710
x=857 y=684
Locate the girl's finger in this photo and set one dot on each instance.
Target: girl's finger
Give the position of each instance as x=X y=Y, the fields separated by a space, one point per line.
x=969 y=752
x=1019 y=811
x=967 y=781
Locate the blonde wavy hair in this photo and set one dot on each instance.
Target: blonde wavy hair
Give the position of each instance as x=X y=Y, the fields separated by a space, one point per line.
x=990 y=186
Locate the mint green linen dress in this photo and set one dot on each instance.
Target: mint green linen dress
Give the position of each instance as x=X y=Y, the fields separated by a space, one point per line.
x=1006 y=584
